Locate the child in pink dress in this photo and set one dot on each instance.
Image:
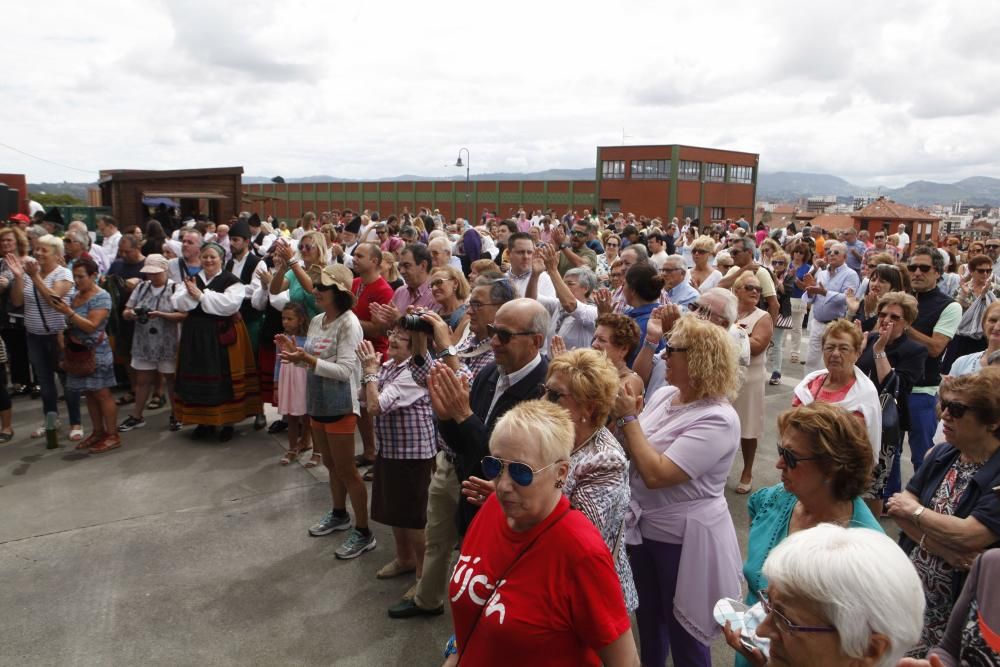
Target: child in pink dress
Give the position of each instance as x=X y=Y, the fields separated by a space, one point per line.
x=290 y=387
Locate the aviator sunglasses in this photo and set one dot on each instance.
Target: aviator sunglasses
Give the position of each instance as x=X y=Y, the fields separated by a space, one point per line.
x=521 y=473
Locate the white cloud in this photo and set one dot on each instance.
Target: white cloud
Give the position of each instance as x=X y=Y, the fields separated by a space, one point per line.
x=874 y=92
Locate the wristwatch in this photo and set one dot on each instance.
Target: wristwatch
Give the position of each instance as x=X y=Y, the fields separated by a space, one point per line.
x=879 y=355
x=625 y=420
x=916 y=514
x=449 y=351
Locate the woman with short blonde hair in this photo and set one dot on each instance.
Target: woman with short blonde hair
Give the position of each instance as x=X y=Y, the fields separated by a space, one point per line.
x=703 y=275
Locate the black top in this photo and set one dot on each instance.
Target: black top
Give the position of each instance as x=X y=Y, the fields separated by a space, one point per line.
x=907 y=358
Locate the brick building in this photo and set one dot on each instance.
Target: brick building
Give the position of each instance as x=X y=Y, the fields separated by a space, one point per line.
x=886 y=215
x=682 y=181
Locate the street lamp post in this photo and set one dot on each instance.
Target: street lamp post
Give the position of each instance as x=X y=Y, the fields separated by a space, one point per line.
x=458 y=163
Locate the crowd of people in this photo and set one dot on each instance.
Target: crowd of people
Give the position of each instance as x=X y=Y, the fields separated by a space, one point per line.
x=564 y=397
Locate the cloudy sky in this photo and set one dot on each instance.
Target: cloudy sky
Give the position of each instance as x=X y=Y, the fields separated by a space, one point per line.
x=876 y=92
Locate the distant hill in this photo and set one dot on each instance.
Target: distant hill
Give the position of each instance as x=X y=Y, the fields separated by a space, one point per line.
x=586 y=173
x=785 y=185
x=78 y=190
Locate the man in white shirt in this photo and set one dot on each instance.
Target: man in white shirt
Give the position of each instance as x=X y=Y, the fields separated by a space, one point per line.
x=440 y=247
x=657 y=250
x=521 y=250
x=904 y=241
x=108 y=228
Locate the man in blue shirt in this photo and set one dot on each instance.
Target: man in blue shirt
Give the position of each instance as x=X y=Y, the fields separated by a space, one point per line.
x=855 y=249
x=827 y=294
x=675 y=284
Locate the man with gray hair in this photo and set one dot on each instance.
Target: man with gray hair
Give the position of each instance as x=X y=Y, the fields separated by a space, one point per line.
x=742 y=251
x=675 y=285
x=827 y=293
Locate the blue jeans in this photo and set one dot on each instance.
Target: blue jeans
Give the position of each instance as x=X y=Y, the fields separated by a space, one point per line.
x=923 y=424
x=43 y=353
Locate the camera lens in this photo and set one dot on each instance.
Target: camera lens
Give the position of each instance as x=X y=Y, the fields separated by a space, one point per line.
x=414 y=323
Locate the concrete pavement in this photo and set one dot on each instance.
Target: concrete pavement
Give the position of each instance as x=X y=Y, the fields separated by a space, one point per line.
x=174 y=552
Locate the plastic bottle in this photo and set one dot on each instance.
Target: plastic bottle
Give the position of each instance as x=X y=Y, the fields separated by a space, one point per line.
x=51 y=430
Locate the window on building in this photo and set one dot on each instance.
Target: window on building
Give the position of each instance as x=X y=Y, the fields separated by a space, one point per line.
x=689 y=170
x=613 y=169
x=650 y=169
x=739 y=174
x=718 y=213
x=715 y=172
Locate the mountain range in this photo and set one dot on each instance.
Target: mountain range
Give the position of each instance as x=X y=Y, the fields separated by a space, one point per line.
x=772 y=186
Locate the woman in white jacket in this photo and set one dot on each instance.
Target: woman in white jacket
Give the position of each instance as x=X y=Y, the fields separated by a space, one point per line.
x=843 y=384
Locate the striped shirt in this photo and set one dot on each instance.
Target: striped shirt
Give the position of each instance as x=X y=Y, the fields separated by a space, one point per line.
x=42 y=318
x=405 y=427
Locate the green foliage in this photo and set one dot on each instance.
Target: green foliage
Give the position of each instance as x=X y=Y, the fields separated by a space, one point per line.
x=47 y=200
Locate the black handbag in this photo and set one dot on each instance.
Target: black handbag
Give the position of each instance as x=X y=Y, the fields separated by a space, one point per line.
x=892 y=431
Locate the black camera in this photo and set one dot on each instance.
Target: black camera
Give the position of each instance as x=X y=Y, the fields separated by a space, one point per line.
x=141 y=315
x=414 y=323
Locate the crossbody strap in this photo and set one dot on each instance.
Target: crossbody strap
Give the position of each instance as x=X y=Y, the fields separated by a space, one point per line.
x=500 y=578
x=38 y=303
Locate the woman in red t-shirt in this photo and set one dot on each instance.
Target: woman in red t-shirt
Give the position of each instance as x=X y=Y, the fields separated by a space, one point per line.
x=535 y=583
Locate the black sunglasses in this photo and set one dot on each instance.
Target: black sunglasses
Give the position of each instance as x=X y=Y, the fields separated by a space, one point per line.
x=954 y=408
x=521 y=473
x=505 y=336
x=668 y=350
x=792 y=459
x=923 y=268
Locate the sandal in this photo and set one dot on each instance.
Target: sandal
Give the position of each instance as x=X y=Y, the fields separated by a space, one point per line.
x=91 y=440
x=744 y=488
x=313 y=461
x=76 y=434
x=369 y=475
x=290 y=456
x=125 y=400
x=156 y=402
x=6 y=436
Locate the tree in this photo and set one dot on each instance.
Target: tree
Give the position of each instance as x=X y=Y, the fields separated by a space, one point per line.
x=47 y=200
x=277 y=179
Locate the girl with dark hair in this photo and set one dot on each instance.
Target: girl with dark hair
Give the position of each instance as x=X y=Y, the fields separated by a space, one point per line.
x=155 y=238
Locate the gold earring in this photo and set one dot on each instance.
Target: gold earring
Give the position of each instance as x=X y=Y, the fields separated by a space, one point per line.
x=559 y=484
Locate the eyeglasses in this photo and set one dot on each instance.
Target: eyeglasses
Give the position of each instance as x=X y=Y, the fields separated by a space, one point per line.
x=579 y=233
x=306 y=247
x=521 y=473
x=782 y=622
x=474 y=305
x=792 y=459
x=992 y=246
x=552 y=395
x=751 y=288
x=699 y=251
x=893 y=317
x=985 y=270
x=922 y=268
x=843 y=349
x=668 y=350
x=872 y=266
x=724 y=265
x=437 y=282
x=505 y=336
x=834 y=252
x=611 y=245
x=778 y=263
x=954 y=408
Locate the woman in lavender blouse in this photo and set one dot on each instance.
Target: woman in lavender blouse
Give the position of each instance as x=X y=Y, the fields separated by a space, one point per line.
x=679 y=533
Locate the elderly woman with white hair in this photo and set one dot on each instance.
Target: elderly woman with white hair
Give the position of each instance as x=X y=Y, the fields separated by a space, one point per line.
x=838 y=596
x=529 y=561
x=572 y=314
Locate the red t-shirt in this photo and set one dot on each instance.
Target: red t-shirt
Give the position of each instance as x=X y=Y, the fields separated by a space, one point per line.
x=375 y=292
x=558 y=605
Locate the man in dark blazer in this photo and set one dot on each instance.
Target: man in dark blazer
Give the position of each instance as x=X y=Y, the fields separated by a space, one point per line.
x=466 y=418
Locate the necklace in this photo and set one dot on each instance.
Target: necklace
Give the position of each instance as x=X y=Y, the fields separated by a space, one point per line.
x=586 y=442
